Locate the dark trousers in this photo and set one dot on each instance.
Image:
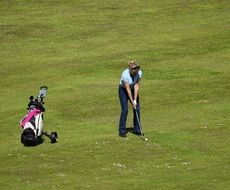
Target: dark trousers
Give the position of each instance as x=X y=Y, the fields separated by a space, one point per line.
x=123 y=96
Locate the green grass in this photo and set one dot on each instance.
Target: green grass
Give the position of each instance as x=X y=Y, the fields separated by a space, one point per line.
x=78 y=49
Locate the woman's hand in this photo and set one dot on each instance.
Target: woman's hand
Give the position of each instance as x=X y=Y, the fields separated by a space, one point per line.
x=134 y=104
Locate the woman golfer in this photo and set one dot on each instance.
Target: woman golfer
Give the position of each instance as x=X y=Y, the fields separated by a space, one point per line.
x=128 y=90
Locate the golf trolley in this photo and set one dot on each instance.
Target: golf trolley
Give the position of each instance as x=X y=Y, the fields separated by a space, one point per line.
x=32 y=123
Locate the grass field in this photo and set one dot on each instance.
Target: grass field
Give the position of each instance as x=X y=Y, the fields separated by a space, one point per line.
x=78 y=48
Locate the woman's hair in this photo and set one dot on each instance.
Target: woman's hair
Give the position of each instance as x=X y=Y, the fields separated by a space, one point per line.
x=133 y=63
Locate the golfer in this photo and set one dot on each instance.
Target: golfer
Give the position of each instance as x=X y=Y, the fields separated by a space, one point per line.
x=128 y=90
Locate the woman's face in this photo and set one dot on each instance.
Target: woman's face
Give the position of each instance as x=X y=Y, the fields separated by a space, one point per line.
x=134 y=70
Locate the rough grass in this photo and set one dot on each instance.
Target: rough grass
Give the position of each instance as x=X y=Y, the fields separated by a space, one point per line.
x=78 y=49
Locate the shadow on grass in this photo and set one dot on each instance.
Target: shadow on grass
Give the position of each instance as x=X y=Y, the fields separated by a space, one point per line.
x=130 y=130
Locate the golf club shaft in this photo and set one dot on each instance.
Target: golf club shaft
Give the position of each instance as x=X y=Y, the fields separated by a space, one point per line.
x=138 y=120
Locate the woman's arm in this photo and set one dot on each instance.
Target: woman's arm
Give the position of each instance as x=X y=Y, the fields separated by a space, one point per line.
x=127 y=87
x=136 y=90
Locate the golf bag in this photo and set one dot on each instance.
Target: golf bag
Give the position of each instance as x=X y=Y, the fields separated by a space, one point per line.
x=32 y=123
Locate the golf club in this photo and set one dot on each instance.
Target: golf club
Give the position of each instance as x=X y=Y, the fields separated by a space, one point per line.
x=138 y=120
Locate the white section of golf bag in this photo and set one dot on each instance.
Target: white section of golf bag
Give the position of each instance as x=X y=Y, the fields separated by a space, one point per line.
x=38 y=125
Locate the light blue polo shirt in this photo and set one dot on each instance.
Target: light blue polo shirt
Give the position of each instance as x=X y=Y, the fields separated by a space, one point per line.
x=126 y=77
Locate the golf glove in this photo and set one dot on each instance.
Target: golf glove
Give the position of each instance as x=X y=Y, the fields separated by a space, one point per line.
x=134 y=104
